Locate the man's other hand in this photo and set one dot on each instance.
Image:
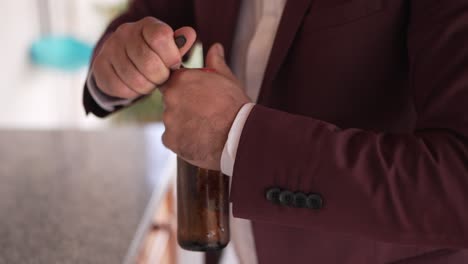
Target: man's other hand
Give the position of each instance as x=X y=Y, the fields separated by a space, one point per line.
x=138 y=56
x=200 y=108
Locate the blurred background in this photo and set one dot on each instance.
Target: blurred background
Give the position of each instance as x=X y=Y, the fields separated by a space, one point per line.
x=75 y=188
x=45 y=96
x=46 y=47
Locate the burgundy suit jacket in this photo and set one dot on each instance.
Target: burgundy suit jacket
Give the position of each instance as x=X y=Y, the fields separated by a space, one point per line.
x=364 y=102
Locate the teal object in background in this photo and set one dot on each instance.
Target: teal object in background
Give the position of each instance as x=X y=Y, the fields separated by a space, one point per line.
x=61 y=52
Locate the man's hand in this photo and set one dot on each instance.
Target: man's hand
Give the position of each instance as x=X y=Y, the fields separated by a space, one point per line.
x=138 y=56
x=200 y=108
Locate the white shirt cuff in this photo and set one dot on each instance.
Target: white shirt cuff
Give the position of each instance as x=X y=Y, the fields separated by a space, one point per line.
x=228 y=157
x=105 y=101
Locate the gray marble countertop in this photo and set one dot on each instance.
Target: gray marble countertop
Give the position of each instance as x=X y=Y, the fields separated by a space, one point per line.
x=78 y=197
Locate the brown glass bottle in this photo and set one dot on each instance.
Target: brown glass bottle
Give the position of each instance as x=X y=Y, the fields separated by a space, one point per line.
x=202 y=208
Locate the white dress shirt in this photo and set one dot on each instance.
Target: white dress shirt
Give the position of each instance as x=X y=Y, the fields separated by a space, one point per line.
x=255 y=33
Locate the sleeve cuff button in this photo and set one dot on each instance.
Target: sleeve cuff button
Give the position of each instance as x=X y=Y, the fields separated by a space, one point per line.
x=314 y=201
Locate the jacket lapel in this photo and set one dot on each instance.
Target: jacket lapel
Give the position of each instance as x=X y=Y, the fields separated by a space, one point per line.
x=293 y=14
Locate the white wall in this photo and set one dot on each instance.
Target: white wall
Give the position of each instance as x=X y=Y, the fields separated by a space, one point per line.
x=18 y=29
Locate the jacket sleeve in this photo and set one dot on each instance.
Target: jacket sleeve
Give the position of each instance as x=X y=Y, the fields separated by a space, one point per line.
x=400 y=188
x=176 y=13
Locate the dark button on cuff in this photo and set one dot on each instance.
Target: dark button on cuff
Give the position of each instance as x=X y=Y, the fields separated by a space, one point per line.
x=300 y=200
x=286 y=198
x=273 y=194
x=314 y=201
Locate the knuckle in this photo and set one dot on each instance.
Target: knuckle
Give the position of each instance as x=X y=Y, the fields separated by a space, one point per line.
x=162 y=74
x=165 y=31
x=111 y=44
x=117 y=89
x=125 y=71
x=98 y=63
x=140 y=83
x=141 y=51
x=113 y=90
x=101 y=82
x=148 y=19
x=158 y=40
x=170 y=102
x=161 y=36
x=124 y=28
x=173 y=58
x=123 y=92
x=166 y=140
x=154 y=70
x=148 y=63
x=166 y=118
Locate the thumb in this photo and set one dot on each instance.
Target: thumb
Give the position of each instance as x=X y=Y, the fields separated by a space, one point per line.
x=215 y=60
x=189 y=38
